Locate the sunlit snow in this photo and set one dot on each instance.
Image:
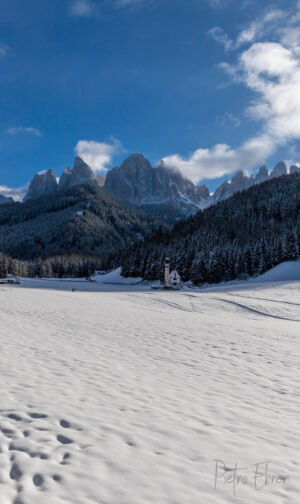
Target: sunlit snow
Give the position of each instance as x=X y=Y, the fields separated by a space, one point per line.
x=123 y=395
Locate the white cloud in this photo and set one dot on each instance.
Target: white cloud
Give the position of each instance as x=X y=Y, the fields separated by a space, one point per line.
x=261 y=27
x=256 y=30
x=17 y=193
x=291 y=38
x=14 y=130
x=273 y=73
x=81 y=8
x=271 y=70
x=98 y=155
x=221 y=159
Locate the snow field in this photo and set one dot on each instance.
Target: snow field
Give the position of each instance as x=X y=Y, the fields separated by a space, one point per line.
x=128 y=396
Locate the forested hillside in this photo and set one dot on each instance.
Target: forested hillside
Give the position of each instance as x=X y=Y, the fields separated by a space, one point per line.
x=244 y=235
x=83 y=220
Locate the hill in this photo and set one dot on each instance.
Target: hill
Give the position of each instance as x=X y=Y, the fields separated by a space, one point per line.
x=288 y=271
x=82 y=220
x=245 y=235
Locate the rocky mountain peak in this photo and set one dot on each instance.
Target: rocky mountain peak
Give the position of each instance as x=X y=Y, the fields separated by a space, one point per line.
x=261 y=175
x=132 y=180
x=279 y=170
x=223 y=191
x=241 y=181
x=81 y=174
x=138 y=171
x=164 y=192
x=136 y=157
x=43 y=183
x=64 y=180
x=79 y=164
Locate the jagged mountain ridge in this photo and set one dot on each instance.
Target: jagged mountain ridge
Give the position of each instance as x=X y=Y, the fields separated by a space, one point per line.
x=81 y=174
x=240 y=181
x=45 y=183
x=159 y=191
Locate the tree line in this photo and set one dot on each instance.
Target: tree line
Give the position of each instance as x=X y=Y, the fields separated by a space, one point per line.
x=245 y=235
x=53 y=267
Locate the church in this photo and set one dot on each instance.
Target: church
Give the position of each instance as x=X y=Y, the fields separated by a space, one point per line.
x=172 y=280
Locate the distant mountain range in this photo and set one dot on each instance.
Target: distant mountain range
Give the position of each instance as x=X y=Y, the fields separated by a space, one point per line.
x=84 y=214
x=240 y=181
x=159 y=191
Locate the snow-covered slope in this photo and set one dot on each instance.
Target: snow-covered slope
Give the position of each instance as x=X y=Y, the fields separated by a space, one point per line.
x=115 y=277
x=121 y=395
x=286 y=271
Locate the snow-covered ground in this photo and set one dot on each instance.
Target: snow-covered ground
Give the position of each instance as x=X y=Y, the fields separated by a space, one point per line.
x=118 y=394
x=286 y=271
x=115 y=277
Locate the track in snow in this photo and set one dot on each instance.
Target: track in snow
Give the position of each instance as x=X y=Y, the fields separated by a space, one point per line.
x=253 y=310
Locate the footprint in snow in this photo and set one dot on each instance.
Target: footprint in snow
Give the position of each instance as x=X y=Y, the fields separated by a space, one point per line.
x=38 y=480
x=38 y=416
x=65 y=424
x=64 y=439
x=19 y=432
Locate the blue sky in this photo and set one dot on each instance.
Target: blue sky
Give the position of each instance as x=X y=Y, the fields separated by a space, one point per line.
x=187 y=81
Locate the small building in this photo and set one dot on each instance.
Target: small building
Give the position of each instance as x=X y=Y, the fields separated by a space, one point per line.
x=175 y=280
x=172 y=280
